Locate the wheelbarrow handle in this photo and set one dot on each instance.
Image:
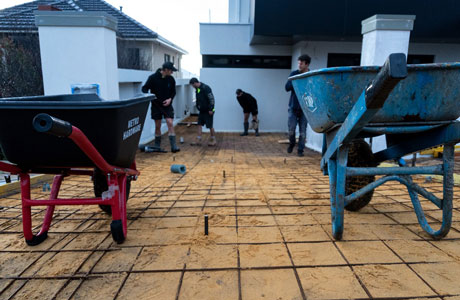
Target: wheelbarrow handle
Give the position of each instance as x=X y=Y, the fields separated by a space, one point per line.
x=393 y=70
x=48 y=124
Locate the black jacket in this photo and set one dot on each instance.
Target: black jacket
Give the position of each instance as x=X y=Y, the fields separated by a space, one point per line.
x=204 y=98
x=293 y=101
x=247 y=102
x=163 y=87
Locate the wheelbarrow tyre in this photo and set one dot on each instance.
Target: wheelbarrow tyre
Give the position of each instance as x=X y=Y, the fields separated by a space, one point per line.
x=359 y=155
x=116 y=227
x=100 y=186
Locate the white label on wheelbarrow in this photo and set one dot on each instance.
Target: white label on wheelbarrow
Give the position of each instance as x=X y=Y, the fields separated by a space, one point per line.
x=309 y=102
x=133 y=127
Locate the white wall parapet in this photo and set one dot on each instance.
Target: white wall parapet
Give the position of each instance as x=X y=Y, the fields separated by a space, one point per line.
x=78 y=48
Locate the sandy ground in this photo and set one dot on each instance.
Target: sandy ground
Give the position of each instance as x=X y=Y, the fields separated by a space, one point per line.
x=269 y=235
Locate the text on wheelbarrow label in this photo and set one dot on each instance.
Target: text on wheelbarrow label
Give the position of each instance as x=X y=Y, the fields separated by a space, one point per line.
x=133 y=127
x=309 y=102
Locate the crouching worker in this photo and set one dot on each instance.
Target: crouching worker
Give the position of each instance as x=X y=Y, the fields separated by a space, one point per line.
x=163 y=85
x=205 y=106
x=249 y=105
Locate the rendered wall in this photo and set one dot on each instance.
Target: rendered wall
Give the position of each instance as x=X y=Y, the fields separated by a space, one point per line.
x=266 y=85
x=78 y=48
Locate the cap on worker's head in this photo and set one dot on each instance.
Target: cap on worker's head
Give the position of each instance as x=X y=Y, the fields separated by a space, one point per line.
x=193 y=80
x=239 y=91
x=169 y=65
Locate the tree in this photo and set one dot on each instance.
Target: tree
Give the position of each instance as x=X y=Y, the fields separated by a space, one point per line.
x=20 y=66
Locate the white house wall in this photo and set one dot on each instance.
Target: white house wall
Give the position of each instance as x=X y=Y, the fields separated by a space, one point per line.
x=266 y=85
x=442 y=52
x=159 y=52
x=77 y=62
x=234 y=39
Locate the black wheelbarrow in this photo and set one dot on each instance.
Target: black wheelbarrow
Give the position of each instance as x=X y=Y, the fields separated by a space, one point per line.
x=415 y=106
x=73 y=135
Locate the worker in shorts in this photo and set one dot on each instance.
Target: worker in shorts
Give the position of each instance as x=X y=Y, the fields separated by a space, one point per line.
x=205 y=106
x=249 y=105
x=162 y=84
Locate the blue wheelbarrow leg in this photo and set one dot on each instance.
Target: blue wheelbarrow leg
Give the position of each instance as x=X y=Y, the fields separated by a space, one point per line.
x=446 y=203
x=337 y=181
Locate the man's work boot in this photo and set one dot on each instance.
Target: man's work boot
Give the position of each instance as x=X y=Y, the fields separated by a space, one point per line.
x=212 y=141
x=172 y=141
x=291 y=143
x=256 y=126
x=157 y=145
x=300 y=153
x=157 y=141
x=246 y=128
x=196 y=142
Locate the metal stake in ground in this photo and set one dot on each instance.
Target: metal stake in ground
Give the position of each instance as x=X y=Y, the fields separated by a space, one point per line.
x=224 y=173
x=206 y=231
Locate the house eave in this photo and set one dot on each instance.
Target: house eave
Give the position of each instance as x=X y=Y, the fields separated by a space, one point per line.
x=177 y=49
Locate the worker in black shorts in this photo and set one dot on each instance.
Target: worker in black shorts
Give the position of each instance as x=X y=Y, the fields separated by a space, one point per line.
x=249 y=105
x=163 y=85
x=205 y=106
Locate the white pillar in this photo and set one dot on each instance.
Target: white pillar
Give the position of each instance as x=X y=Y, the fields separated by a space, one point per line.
x=239 y=11
x=383 y=35
x=78 y=48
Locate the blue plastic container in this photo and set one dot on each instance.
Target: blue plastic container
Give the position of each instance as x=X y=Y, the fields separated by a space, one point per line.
x=178 y=169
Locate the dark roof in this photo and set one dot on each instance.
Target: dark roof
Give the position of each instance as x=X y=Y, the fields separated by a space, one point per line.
x=340 y=20
x=21 y=18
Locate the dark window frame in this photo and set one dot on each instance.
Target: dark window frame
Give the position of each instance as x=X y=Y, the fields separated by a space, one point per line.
x=354 y=59
x=247 y=61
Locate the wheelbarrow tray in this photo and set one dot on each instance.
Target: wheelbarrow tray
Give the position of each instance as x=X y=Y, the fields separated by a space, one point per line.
x=430 y=93
x=113 y=127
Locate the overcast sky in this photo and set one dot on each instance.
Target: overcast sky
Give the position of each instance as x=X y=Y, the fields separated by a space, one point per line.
x=176 y=20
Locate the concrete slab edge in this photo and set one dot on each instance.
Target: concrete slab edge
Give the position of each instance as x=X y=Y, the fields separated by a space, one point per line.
x=15 y=187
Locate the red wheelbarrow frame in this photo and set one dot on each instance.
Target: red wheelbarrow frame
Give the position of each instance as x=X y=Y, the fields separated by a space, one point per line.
x=115 y=196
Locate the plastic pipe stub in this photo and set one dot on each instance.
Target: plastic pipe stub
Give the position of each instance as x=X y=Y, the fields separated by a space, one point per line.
x=178 y=169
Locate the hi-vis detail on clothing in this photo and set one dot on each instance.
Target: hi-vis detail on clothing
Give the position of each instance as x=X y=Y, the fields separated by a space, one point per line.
x=309 y=102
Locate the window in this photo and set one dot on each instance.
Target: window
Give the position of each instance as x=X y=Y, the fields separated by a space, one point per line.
x=343 y=59
x=420 y=59
x=247 y=61
x=167 y=57
x=133 y=58
x=349 y=59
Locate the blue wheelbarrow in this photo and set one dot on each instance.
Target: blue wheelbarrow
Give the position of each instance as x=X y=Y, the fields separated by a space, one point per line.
x=415 y=106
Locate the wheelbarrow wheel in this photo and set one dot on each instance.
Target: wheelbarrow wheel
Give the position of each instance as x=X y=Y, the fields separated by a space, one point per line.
x=359 y=155
x=100 y=186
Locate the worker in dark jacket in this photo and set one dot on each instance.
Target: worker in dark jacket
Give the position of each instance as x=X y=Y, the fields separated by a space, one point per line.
x=163 y=85
x=295 y=113
x=249 y=105
x=205 y=106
